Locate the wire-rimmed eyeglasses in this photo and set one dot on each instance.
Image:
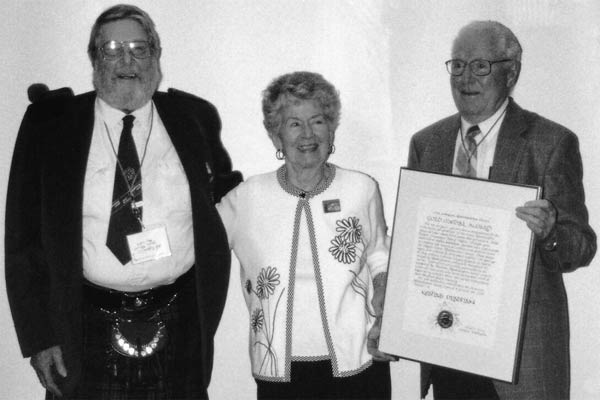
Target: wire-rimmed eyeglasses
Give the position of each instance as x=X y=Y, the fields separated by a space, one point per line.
x=478 y=67
x=113 y=50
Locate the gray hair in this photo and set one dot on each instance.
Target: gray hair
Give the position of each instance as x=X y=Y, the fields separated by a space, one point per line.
x=119 y=12
x=293 y=87
x=504 y=39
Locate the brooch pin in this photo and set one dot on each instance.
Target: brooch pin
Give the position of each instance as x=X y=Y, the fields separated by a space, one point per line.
x=330 y=206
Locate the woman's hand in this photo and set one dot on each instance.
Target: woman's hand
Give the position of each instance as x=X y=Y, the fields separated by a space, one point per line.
x=373 y=343
x=373 y=337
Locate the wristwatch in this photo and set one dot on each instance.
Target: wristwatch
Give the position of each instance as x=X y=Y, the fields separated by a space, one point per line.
x=550 y=243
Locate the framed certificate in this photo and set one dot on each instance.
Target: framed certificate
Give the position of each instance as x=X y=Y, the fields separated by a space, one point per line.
x=459 y=272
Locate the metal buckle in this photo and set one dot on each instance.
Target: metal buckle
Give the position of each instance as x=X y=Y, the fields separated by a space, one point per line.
x=122 y=341
x=137 y=301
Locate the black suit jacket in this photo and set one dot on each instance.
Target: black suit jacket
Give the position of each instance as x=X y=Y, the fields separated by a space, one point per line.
x=43 y=238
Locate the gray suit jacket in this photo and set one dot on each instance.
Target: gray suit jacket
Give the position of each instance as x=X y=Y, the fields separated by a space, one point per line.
x=531 y=150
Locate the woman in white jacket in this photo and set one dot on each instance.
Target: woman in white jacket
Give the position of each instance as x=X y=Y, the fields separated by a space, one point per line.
x=312 y=244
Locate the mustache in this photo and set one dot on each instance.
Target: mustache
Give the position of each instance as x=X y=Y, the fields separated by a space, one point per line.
x=107 y=83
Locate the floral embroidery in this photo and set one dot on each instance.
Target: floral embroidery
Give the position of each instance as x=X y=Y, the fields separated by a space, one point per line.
x=344 y=244
x=262 y=321
x=349 y=229
x=361 y=287
x=342 y=250
x=266 y=282
x=257 y=319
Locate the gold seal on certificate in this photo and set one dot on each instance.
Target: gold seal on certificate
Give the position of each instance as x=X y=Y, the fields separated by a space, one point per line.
x=445 y=319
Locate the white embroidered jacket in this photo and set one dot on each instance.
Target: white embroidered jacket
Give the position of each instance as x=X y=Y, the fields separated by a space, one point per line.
x=348 y=240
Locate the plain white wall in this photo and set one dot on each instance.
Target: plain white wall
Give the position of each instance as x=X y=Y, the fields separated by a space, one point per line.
x=385 y=57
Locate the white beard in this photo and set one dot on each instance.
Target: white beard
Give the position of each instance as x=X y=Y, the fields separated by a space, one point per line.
x=126 y=95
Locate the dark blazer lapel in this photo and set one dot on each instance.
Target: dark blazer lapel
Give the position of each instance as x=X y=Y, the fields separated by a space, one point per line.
x=77 y=147
x=73 y=137
x=83 y=127
x=511 y=144
x=190 y=151
x=170 y=120
x=445 y=145
x=176 y=125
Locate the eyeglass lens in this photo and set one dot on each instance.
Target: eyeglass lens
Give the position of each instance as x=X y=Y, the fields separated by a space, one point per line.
x=138 y=49
x=478 y=67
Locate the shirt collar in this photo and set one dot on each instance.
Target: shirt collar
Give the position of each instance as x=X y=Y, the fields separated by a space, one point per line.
x=113 y=118
x=485 y=126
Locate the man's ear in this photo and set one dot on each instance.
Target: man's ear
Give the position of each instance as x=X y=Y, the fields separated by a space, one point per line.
x=513 y=74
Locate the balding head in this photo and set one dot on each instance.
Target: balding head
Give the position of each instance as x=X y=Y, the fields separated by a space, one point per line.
x=501 y=40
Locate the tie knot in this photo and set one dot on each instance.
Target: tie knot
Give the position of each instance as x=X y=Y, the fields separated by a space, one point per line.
x=473 y=131
x=128 y=121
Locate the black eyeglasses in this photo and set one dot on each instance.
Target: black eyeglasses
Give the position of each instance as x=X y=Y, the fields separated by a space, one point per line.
x=478 y=67
x=113 y=50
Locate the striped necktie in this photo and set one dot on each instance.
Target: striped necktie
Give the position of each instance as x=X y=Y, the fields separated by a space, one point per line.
x=466 y=159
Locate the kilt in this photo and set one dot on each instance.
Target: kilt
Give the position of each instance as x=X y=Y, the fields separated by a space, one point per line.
x=170 y=373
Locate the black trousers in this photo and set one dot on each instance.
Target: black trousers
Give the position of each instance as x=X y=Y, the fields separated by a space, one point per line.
x=314 y=380
x=176 y=364
x=449 y=384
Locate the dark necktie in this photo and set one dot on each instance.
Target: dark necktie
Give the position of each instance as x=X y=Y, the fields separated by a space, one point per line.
x=123 y=220
x=466 y=159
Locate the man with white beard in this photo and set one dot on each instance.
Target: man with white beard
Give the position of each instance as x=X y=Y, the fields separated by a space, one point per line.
x=117 y=262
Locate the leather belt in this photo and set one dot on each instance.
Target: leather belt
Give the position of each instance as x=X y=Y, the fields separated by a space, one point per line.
x=115 y=301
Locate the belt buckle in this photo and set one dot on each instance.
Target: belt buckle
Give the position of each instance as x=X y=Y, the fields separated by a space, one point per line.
x=136 y=301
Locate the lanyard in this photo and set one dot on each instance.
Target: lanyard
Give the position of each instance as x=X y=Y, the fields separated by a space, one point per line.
x=137 y=212
x=462 y=138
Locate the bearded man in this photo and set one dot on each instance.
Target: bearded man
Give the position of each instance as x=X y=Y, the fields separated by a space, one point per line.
x=117 y=262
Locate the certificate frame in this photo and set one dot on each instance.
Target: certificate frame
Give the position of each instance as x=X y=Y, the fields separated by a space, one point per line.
x=459 y=273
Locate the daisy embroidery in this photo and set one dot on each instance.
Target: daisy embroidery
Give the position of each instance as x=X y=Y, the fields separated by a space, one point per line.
x=257 y=319
x=342 y=250
x=266 y=282
x=262 y=318
x=349 y=230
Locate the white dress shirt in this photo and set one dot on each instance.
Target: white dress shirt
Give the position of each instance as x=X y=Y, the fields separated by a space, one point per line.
x=166 y=201
x=486 y=141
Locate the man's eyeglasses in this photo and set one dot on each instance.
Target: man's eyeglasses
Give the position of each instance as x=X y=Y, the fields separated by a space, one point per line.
x=113 y=50
x=478 y=67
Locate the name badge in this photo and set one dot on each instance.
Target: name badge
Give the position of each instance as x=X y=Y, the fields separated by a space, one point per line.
x=150 y=244
x=330 y=206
